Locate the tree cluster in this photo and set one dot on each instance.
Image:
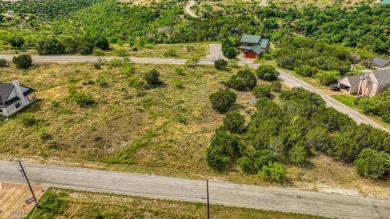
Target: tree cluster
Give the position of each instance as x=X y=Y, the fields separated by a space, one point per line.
x=293 y=131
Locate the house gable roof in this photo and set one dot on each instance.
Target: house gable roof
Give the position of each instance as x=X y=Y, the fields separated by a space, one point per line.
x=351 y=81
x=5 y=91
x=264 y=43
x=250 y=39
x=382 y=76
x=380 y=62
x=256 y=49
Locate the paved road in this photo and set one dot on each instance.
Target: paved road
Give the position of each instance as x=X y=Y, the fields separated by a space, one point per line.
x=188 y=10
x=295 y=82
x=279 y=199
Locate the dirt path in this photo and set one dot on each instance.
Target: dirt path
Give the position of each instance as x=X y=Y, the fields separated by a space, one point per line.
x=188 y=9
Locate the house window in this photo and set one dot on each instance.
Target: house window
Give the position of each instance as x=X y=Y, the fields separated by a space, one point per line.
x=17 y=105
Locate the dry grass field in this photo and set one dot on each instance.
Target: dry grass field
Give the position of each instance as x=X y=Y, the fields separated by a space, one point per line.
x=163 y=130
x=13 y=200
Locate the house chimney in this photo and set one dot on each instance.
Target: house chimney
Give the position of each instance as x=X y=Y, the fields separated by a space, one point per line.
x=19 y=92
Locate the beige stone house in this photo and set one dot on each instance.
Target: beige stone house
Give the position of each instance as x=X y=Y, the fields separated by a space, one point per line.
x=369 y=84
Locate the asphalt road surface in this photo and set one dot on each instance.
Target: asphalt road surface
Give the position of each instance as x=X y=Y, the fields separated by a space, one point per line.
x=278 y=199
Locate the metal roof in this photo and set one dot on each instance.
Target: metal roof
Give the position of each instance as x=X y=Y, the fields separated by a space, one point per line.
x=264 y=43
x=380 y=62
x=250 y=39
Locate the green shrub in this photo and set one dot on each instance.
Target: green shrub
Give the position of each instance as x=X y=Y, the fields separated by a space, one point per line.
x=328 y=78
x=234 y=122
x=171 y=52
x=231 y=53
x=274 y=171
x=262 y=91
x=97 y=52
x=220 y=64
x=133 y=81
x=192 y=62
x=83 y=99
x=152 y=77
x=3 y=63
x=306 y=70
x=233 y=63
x=178 y=84
x=49 y=205
x=121 y=53
x=179 y=71
x=276 y=86
x=244 y=80
x=267 y=73
x=97 y=65
x=298 y=154
x=223 y=150
x=222 y=100
x=50 y=45
x=262 y=158
x=27 y=119
x=22 y=61
x=245 y=164
x=115 y=62
x=373 y=164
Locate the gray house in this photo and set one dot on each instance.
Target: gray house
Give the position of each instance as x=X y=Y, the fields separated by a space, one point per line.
x=14 y=97
x=380 y=63
x=253 y=46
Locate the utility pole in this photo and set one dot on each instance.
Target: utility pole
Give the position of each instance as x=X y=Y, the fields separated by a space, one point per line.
x=208 y=200
x=28 y=182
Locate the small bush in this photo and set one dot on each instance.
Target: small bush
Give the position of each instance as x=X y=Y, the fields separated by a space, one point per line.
x=222 y=100
x=27 y=119
x=179 y=71
x=22 y=61
x=328 y=78
x=220 y=64
x=233 y=63
x=178 y=84
x=128 y=69
x=83 y=99
x=262 y=91
x=116 y=62
x=373 y=164
x=97 y=52
x=97 y=65
x=267 y=73
x=234 y=122
x=152 y=77
x=276 y=86
x=3 y=63
x=245 y=164
x=121 y=53
x=274 y=171
x=49 y=205
x=133 y=81
x=244 y=80
x=171 y=52
x=192 y=62
x=231 y=53
x=306 y=70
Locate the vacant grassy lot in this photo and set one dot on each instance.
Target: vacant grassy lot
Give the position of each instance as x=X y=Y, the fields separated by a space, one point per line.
x=75 y=204
x=163 y=130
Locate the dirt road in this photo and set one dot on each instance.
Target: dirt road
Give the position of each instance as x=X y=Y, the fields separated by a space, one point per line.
x=278 y=199
x=188 y=10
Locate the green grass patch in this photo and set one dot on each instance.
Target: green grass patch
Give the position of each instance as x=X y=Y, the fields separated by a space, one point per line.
x=346 y=100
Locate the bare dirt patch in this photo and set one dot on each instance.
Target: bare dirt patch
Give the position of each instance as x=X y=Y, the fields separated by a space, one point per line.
x=13 y=200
